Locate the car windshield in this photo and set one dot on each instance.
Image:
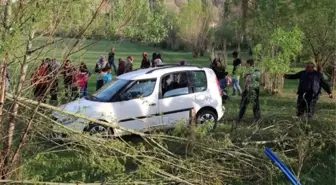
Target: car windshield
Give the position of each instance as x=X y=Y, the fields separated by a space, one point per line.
x=105 y=93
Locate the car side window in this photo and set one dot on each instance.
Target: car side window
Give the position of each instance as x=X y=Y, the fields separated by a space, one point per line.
x=198 y=81
x=175 y=84
x=139 y=89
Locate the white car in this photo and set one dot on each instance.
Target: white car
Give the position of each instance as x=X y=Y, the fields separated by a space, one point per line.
x=148 y=99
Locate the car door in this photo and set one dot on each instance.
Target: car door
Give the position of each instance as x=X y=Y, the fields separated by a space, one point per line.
x=175 y=98
x=137 y=107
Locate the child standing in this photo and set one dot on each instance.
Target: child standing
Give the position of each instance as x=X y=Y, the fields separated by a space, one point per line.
x=81 y=80
x=108 y=76
x=84 y=77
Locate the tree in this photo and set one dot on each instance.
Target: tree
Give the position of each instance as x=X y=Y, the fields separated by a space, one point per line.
x=317 y=20
x=36 y=19
x=193 y=24
x=275 y=57
x=136 y=19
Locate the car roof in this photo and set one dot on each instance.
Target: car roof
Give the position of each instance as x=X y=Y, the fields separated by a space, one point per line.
x=156 y=72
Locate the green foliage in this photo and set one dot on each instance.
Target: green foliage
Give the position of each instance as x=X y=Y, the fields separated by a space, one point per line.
x=316 y=19
x=282 y=47
x=135 y=19
x=193 y=21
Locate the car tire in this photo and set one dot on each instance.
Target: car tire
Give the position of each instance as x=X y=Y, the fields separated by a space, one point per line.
x=206 y=115
x=99 y=131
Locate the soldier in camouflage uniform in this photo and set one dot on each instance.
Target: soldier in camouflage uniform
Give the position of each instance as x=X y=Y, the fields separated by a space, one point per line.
x=251 y=91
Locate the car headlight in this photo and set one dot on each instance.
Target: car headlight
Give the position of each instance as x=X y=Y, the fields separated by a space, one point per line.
x=68 y=120
x=64 y=119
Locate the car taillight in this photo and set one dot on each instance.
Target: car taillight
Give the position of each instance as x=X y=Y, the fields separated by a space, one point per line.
x=219 y=88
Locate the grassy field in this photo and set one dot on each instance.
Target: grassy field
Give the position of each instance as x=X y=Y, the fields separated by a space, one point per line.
x=275 y=109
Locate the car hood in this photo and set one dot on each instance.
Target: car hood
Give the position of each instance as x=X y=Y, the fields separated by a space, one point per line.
x=87 y=108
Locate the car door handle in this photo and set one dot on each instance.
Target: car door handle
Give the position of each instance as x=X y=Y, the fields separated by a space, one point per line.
x=152 y=104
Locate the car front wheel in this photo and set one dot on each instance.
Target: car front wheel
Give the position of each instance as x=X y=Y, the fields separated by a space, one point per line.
x=99 y=131
x=206 y=116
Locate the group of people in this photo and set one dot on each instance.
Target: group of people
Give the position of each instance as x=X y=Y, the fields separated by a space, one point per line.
x=104 y=66
x=309 y=90
x=45 y=78
x=251 y=87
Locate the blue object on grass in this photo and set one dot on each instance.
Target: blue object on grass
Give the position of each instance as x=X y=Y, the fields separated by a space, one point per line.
x=282 y=167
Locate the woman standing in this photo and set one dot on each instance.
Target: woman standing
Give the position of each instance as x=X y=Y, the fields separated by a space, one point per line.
x=129 y=64
x=40 y=81
x=219 y=70
x=158 y=60
x=145 y=63
x=153 y=59
x=83 y=76
x=102 y=65
x=121 y=66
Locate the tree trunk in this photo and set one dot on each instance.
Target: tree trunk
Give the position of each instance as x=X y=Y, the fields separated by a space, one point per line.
x=3 y=84
x=333 y=86
x=319 y=67
x=14 y=111
x=202 y=53
x=224 y=52
x=212 y=52
x=195 y=52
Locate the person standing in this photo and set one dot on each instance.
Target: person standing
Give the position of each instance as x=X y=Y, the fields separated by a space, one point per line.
x=83 y=77
x=54 y=68
x=129 y=64
x=101 y=65
x=111 y=56
x=158 y=60
x=309 y=90
x=219 y=70
x=235 y=75
x=251 y=91
x=108 y=76
x=145 y=63
x=121 y=66
x=40 y=81
x=153 y=59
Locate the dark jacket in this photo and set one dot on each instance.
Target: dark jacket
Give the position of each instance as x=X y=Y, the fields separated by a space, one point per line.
x=128 y=66
x=236 y=63
x=219 y=71
x=310 y=82
x=121 y=67
x=101 y=67
x=111 y=57
x=145 y=63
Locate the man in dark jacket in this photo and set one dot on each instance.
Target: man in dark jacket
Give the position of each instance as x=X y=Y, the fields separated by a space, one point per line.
x=111 y=60
x=235 y=76
x=309 y=90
